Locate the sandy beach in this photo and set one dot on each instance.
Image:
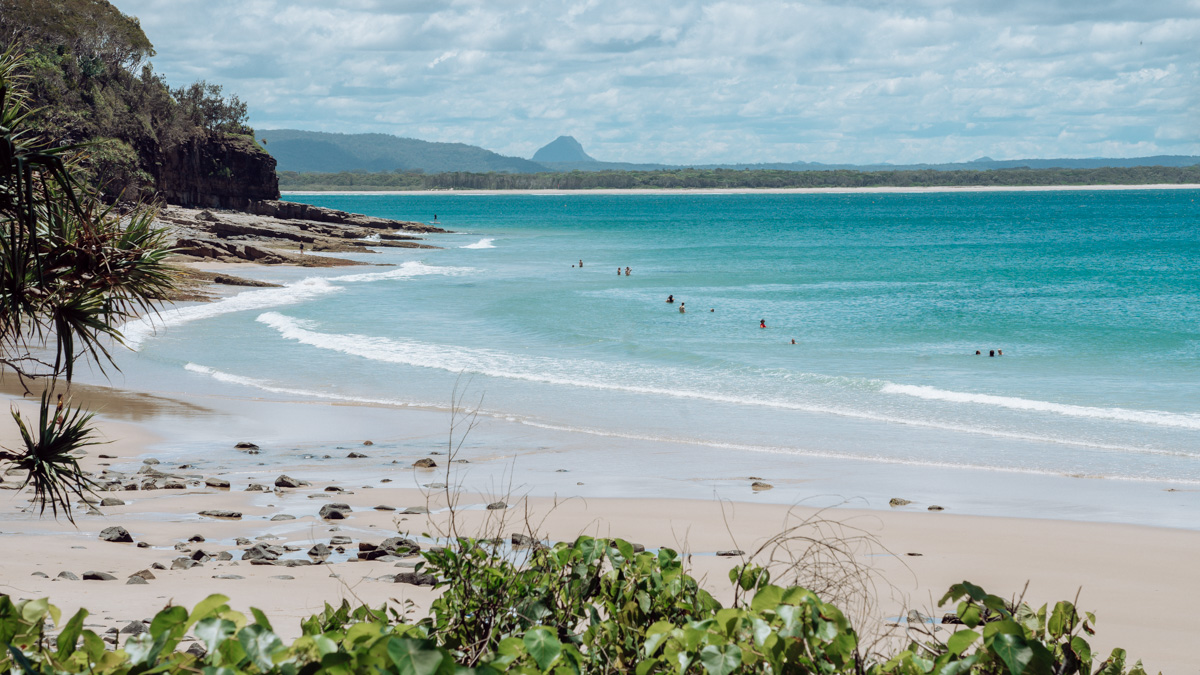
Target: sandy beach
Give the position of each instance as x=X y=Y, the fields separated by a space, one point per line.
x=1138 y=580
x=758 y=191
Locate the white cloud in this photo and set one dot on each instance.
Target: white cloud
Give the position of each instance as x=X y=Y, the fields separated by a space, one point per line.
x=692 y=81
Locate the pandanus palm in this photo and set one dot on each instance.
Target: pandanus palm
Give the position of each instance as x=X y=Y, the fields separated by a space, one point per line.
x=72 y=271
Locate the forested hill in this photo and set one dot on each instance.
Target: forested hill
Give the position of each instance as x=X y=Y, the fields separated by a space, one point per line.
x=318 y=151
x=91 y=81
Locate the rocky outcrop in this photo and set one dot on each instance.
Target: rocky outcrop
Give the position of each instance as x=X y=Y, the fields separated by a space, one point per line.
x=216 y=171
x=273 y=208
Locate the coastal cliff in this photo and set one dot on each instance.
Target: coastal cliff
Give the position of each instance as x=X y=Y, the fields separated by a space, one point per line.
x=222 y=171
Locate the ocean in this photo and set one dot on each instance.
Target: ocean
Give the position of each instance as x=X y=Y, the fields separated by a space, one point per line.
x=1093 y=297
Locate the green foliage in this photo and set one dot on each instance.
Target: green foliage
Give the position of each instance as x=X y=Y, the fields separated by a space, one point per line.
x=729 y=178
x=630 y=613
x=89 y=82
x=72 y=270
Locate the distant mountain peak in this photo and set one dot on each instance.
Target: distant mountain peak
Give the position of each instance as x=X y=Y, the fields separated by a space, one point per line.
x=985 y=158
x=562 y=149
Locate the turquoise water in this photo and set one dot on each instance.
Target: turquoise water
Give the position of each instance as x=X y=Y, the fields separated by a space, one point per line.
x=1093 y=296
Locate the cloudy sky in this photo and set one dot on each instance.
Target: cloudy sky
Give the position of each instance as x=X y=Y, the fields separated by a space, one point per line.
x=684 y=81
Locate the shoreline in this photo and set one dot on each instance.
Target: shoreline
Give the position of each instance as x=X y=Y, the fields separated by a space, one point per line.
x=915 y=555
x=752 y=191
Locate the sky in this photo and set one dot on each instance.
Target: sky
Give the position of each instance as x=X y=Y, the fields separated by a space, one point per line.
x=679 y=81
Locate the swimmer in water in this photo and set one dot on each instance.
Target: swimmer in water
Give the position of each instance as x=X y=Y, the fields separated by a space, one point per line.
x=991 y=352
x=762 y=323
x=999 y=352
x=976 y=352
x=627 y=270
x=581 y=263
x=793 y=340
x=618 y=271
x=670 y=299
x=681 y=309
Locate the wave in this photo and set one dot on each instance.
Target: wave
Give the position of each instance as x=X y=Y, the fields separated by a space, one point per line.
x=742 y=447
x=408 y=270
x=486 y=242
x=608 y=377
x=1149 y=417
x=135 y=332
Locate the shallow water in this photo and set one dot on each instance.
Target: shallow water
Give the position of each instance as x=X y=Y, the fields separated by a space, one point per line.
x=1094 y=298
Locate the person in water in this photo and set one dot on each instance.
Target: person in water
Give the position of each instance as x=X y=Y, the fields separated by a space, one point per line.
x=991 y=352
x=627 y=270
x=762 y=323
x=999 y=352
x=581 y=263
x=681 y=309
x=670 y=299
x=793 y=340
x=435 y=217
x=618 y=271
x=976 y=352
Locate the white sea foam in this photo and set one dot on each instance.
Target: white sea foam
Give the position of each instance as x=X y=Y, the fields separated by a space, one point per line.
x=486 y=242
x=137 y=331
x=408 y=270
x=1150 y=417
x=230 y=378
x=608 y=377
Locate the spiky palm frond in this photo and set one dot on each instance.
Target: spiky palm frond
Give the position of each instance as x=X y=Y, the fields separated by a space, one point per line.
x=47 y=455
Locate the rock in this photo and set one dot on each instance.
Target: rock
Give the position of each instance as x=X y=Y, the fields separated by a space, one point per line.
x=951 y=619
x=333 y=488
x=386 y=480
x=497 y=506
x=134 y=627
x=262 y=552
x=196 y=537
x=116 y=534
x=106 y=456
x=227 y=576
x=414 y=510
x=242 y=541
x=399 y=546
x=286 y=481
x=199 y=555
x=182 y=547
x=731 y=553
x=415 y=579
x=519 y=539
x=319 y=551
x=255 y=487
x=915 y=555
x=150 y=460
x=935 y=507
x=759 y=486
x=197 y=650
x=368 y=443
x=145 y=574
x=69 y=576
x=40 y=574
x=157 y=566
x=142 y=544
x=222 y=513
x=246 y=445
x=183 y=564
x=173 y=485
x=284 y=577
x=224 y=556
x=425 y=463
x=92 y=575
x=356 y=455
x=217 y=483
x=897 y=501
x=385 y=507
x=339 y=540
x=135 y=579
x=282 y=516
x=112 y=501
x=335 y=511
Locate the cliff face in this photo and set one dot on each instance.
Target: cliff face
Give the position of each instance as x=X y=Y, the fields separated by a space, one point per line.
x=216 y=171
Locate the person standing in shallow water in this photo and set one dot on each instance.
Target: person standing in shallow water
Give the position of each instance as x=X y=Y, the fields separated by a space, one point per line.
x=762 y=323
x=670 y=299
x=581 y=263
x=681 y=309
x=627 y=271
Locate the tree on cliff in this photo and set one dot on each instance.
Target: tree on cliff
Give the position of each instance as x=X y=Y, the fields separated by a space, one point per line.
x=91 y=80
x=72 y=271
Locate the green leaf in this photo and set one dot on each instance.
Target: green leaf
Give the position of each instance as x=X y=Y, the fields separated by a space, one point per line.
x=960 y=641
x=542 y=645
x=260 y=645
x=212 y=631
x=166 y=621
x=414 y=657
x=261 y=619
x=1082 y=649
x=767 y=597
x=969 y=614
x=1023 y=657
x=70 y=634
x=721 y=660
x=207 y=607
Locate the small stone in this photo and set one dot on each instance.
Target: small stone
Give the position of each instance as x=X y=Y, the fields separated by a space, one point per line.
x=105 y=456
x=112 y=501
x=255 y=487
x=173 y=485
x=519 y=539
x=228 y=576
x=134 y=627
x=385 y=507
x=425 y=463
x=282 y=516
x=145 y=574
x=368 y=443
x=333 y=488
x=242 y=541
x=40 y=574
x=497 y=506
x=356 y=455
x=415 y=510
x=339 y=540
x=197 y=650
x=731 y=553
x=224 y=556
x=415 y=579
x=335 y=511
x=69 y=576
x=246 y=445
x=284 y=577
x=183 y=564
x=386 y=480
x=560 y=471
x=897 y=501
x=142 y=544
x=157 y=566
x=217 y=483
x=150 y=461
x=196 y=537
x=222 y=513
x=915 y=555
x=286 y=481
x=319 y=551
x=135 y=580
x=759 y=486
x=92 y=575
x=116 y=534
x=935 y=507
